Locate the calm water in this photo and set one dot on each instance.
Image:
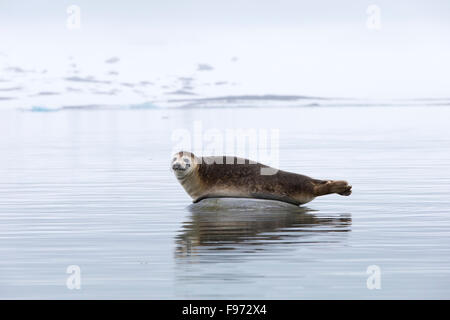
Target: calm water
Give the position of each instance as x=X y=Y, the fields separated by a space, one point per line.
x=94 y=189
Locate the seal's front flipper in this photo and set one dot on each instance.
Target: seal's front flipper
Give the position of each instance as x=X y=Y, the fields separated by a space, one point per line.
x=210 y=196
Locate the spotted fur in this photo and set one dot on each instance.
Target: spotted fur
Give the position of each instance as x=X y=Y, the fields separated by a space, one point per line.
x=232 y=177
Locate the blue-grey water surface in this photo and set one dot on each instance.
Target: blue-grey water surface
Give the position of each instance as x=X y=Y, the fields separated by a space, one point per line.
x=93 y=188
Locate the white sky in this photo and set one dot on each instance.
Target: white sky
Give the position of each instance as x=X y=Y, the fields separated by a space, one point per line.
x=320 y=48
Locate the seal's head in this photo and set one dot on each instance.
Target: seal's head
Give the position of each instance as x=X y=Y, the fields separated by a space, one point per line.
x=183 y=164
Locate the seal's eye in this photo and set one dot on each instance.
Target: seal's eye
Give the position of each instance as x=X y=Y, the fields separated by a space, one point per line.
x=186 y=160
x=174 y=159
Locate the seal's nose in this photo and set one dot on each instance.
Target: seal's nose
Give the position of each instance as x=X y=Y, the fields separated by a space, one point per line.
x=176 y=166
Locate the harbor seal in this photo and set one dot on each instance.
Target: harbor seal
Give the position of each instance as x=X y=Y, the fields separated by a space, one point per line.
x=232 y=177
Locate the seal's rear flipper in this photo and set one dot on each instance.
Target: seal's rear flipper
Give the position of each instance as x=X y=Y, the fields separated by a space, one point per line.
x=329 y=186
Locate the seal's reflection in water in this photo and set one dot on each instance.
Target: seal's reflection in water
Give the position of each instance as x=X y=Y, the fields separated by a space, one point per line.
x=250 y=226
